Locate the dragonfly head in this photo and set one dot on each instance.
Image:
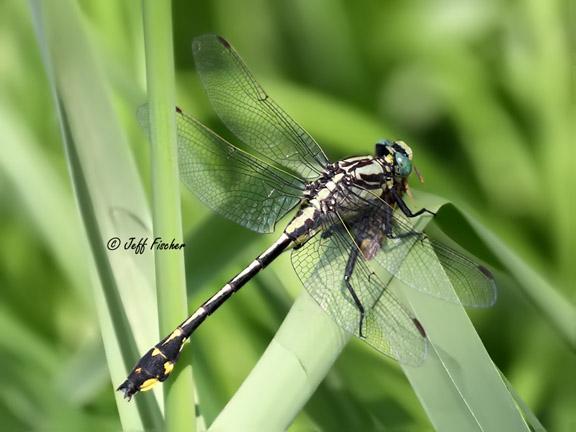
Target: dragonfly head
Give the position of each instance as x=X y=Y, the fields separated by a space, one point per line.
x=397 y=154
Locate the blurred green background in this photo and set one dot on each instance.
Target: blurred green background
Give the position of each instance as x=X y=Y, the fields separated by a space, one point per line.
x=482 y=92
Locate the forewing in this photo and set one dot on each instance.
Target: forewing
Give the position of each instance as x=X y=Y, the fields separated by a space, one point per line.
x=250 y=113
x=388 y=327
x=228 y=180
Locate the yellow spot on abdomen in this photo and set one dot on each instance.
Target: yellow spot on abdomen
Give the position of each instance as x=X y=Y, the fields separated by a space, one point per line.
x=148 y=384
x=184 y=342
x=168 y=366
x=307 y=214
x=175 y=334
x=156 y=352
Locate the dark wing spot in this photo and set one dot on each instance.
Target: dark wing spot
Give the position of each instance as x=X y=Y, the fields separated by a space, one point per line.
x=178 y=110
x=223 y=42
x=419 y=326
x=486 y=272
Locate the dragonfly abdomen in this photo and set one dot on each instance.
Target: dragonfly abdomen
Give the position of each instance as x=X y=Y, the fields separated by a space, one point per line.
x=157 y=364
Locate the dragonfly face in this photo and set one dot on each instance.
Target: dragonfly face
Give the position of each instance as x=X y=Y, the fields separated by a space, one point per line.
x=398 y=154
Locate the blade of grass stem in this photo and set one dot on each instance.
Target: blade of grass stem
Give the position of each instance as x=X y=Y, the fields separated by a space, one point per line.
x=44 y=195
x=170 y=275
x=106 y=187
x=287 y=374
x=529 y=416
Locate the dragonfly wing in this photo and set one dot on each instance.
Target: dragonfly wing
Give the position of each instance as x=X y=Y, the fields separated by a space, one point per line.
x=391 y=330
x=473 y=282
x=388 y=326
x=412 y=257
x=230 y=181
x=250 y=113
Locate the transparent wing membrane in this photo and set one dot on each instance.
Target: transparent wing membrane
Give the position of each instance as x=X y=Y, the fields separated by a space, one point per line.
x=250 y=113
x=410 y=256
x=473 y=283
x=388 y=326
x=232 y=182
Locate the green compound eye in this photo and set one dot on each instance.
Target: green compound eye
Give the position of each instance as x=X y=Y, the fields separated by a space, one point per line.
x=403 y=165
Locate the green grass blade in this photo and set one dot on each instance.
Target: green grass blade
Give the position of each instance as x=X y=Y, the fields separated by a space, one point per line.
x=170 y=276
x=529 y=416
x=52 y=215
x=52 y=212
x=109 y=195
x=44 y=195
x=287 y=374
x=458 y=384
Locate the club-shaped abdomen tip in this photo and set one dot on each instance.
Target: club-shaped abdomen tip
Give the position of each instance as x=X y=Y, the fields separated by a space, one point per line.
x=128 y=388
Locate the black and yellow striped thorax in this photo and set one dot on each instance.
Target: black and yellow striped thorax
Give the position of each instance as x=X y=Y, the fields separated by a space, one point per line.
x=346 y=186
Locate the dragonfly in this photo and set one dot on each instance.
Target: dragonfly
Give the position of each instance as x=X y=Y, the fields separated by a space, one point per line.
x=351 y=218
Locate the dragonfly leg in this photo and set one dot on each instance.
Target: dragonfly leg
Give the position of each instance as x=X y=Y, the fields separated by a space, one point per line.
x=328 y=232
x=388 y=222
x=388 y=225
x=406 y=210
x=347 y=275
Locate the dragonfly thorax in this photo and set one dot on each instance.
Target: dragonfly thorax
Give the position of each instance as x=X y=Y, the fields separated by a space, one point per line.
x=346 y=187
x=342 y=178
x=367 y=172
